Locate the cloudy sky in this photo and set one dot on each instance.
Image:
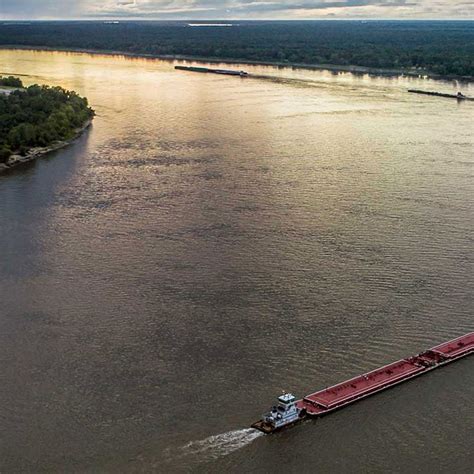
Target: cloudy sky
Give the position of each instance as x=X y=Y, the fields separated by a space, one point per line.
x=235 y=9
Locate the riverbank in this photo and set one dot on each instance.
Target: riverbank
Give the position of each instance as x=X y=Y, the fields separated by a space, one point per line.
x=38 y=152
x=6 y=90
x=353 y=69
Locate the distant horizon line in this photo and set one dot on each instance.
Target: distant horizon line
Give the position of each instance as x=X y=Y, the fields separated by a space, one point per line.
x=227 y=20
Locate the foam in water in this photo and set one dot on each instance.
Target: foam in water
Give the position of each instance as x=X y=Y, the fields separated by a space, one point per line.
x=220 y=445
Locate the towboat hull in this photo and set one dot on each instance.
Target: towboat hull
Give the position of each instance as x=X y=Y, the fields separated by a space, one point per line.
x=260 y=425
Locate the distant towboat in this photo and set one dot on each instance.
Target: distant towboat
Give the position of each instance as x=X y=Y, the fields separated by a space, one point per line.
x=458 y=96
x=227 y=72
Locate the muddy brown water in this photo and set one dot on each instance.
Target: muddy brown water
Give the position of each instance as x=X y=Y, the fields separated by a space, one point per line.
x=213 y=240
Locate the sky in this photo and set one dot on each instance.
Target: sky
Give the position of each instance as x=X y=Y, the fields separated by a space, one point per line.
x=236 y=9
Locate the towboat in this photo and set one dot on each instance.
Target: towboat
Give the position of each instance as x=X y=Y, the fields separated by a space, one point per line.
x=280 y=416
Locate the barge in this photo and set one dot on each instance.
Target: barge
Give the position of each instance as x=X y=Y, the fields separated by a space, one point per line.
x=225 y=72
x=290 y=410
x=458 y=96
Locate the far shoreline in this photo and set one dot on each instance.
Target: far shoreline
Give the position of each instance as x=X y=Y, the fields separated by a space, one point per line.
x=356 y=70
x=38 y=152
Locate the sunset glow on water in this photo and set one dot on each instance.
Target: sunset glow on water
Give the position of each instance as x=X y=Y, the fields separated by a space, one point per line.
x=214 y=240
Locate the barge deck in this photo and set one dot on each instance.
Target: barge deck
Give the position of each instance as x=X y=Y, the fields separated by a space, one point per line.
x=458 y=96
x=333 y=398
x=225 y=72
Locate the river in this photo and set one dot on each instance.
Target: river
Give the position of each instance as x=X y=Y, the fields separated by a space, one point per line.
x=214 y=240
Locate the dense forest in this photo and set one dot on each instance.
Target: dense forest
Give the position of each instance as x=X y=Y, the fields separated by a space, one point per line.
x=38 y=116
x=438 y=47
x=10 y=82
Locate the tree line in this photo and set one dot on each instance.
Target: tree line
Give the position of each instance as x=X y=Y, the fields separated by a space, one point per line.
x=10 y=82
x=439 y=47
x=38 y=116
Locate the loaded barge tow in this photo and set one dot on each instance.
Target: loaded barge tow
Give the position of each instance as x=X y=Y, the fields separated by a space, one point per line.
x=225 y=72
x=458 y=96
x=290 y=410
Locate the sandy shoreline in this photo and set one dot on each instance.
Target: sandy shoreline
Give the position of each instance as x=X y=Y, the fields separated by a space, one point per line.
x=38 y=152
x=316 y=67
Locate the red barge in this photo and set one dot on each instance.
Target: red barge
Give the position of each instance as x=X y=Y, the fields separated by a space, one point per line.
x=290 y=411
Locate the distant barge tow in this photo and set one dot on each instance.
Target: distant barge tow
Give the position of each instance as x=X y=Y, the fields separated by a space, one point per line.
x=290 y=411
x=458 y=96
x=226 y=72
